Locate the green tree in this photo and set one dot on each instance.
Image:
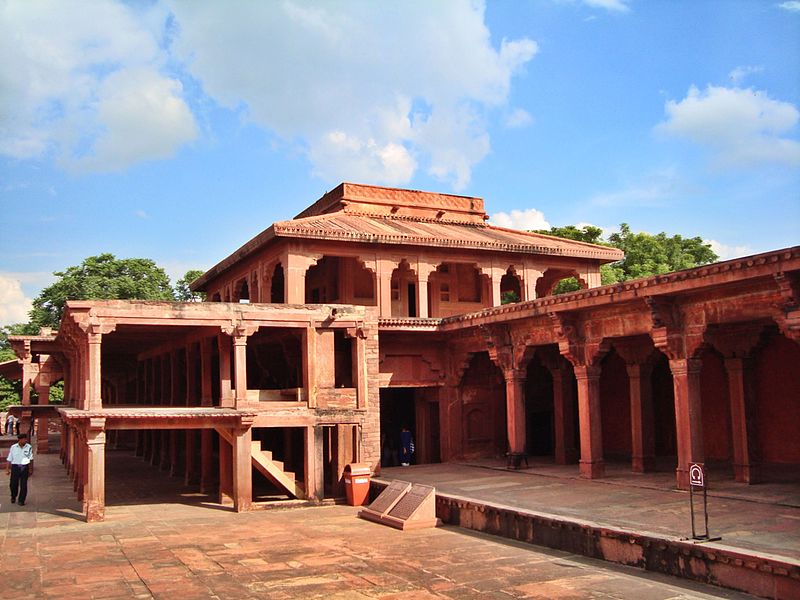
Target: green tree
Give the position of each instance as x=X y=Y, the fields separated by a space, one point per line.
x=10 y=391
x=645 y=254
x=102 y=277
x=182 y=291
x=591 y=235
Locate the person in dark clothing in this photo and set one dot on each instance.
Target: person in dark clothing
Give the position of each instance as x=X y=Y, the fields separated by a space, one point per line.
x=406 y=447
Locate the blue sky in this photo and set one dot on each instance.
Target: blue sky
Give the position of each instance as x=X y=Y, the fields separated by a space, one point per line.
x=178 y=130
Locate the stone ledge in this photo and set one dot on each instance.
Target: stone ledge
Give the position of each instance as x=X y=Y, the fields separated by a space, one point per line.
x=755 y=573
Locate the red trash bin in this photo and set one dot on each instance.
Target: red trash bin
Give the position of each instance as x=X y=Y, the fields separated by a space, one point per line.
x=356 y=483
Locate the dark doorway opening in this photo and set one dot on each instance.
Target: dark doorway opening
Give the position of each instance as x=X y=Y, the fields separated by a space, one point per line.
x=398 y=410
x=412 y=300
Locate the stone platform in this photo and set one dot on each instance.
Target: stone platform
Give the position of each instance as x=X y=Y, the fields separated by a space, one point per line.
x=632 y=520
x=164 y=540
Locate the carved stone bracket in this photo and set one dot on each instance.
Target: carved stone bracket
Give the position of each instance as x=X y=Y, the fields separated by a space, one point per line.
x=787 y=310
x=735 y=341
x=572 y=346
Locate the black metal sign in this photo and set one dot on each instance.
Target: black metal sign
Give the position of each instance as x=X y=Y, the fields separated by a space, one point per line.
x=697 y=479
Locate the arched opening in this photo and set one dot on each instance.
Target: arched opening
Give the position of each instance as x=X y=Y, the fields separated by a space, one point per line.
x=274 y=362
x=457 y=288
x=777 y=409
x=216 y=297
x=404 y=291
x=241 y=292
x=715 y=409
x=539 y=409
x=276 y=292
x=340 y=279
x=615 y=408
x=510 y=287
x=559 y=281
x=664 y=414
x=483 y=398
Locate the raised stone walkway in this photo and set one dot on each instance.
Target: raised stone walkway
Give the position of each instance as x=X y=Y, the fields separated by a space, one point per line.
x=764 y=518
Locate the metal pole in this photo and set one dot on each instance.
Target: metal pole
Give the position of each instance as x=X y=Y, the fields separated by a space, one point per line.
x=705 y=508
x=691 y=508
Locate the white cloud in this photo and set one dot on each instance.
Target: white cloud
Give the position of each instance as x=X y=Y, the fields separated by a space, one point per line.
x=372 y=89
x=141 y=214
x=14 y=305
x=740 y=73
x=518 y=118
x=526 y=219
x=792 y=5
x=742 y=126
x=726 y=252
x=84 y=81
x=612 y=5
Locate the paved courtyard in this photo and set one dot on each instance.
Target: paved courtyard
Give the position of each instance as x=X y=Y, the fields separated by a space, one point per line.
x=161 y=540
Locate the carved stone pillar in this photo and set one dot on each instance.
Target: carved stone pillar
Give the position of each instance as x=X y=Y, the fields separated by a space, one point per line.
x=688 y=415
x=94 y=498
x=43 y=391
x=592 y=465
x=225 y=390
x=240 y=367
x=424 y=271
x=383 y=279
x=515 y=409
x=746 y=466
x=94 y=399
x=27 y=373
x=242 y=483
x=643 y=446
x=205 y=372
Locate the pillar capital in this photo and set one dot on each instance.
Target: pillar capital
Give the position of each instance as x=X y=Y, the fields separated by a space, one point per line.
x=685 y=366
x=590 y=372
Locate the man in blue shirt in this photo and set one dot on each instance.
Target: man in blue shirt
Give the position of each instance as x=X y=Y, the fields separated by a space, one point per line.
x=19 y=464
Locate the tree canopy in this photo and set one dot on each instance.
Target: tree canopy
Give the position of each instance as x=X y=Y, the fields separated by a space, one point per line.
x=645 y=254
x=102 y=277
x=182 y=291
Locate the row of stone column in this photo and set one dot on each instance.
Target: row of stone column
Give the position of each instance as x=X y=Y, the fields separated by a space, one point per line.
x=83 y=454
x=689 y=429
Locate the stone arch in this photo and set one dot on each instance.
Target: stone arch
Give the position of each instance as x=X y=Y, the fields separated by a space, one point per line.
x=511 y=286
x=551 y=277
x=404 y=296
x=458 y=287
x=482 y=391
x=241 y=291
x=277 y=292
x=340 y=279
x=777 y=405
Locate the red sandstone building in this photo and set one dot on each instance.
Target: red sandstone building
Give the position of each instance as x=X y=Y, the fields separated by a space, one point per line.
x=376 y=308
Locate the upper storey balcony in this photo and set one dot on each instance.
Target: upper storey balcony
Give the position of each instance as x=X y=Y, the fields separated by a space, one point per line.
x=410 y=253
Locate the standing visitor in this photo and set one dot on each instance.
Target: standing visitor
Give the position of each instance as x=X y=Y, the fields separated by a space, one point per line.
x=406 y=447
x=19 y=465
x=10 y=421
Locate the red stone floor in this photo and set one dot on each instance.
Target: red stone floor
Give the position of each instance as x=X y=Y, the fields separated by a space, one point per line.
x=764 y=518
x=162 y=540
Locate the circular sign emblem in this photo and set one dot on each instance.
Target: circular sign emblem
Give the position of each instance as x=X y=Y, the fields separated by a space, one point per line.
x=696 y=475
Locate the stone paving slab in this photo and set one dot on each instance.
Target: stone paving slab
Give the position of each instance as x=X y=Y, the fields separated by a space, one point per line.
x=178 y=544
x=754 y=524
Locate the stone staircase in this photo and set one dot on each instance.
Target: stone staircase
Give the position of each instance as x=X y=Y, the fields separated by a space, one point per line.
x=274 y=471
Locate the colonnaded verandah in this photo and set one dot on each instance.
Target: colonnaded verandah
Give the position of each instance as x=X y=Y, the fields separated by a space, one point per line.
x=377 y=308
